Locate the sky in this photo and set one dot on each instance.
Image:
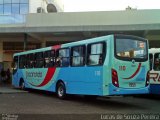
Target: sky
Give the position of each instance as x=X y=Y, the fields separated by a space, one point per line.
x=108 y=5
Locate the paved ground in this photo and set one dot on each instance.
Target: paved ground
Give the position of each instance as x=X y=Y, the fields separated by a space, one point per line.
x=36 y=103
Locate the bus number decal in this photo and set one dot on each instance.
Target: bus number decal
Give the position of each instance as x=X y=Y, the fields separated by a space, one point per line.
x=122 y=68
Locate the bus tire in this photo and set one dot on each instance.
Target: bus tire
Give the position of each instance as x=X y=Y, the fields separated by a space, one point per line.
x=22 y=84
x=61 y=90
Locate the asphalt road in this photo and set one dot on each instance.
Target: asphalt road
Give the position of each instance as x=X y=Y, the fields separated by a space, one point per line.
x=38 y=103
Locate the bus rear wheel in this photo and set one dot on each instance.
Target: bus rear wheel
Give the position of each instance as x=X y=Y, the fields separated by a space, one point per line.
x=61 y=90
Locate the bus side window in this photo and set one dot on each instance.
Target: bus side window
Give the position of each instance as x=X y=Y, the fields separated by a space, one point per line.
x=28 y=61
x=49 y=58
x=39 y=61
x=22 y=61
x=96 y=53
x=31 y=61
x=63 y=57
x=157 y=62
x=78 y=56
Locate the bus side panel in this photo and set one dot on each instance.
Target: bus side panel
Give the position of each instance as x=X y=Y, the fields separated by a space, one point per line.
x=106 y=79
x=82 y=80
x=47 y=80
x=78 y=80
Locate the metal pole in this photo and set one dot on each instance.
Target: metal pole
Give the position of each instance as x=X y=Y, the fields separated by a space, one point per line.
x=25 y=41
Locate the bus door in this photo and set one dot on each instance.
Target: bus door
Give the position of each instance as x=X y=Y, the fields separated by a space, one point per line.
x=131 y=63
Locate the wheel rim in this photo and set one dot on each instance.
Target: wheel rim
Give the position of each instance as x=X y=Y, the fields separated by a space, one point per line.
x=60 y=91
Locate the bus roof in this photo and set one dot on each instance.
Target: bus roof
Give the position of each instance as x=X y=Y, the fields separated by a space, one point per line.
x=82 y=42
x=76 y=43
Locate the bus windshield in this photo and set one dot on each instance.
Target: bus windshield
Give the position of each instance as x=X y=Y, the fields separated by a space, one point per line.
x=129 y=49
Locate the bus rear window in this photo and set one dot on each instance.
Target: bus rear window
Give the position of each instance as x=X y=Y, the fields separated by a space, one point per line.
x=128 y=49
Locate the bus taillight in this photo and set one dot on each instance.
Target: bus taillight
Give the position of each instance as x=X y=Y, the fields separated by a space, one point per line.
x=147 y=79
x=115 y=78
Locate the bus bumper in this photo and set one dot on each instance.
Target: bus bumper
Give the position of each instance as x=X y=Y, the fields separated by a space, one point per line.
x=126 y=91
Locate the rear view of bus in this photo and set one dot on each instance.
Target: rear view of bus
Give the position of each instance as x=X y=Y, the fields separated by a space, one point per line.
x=130 y=66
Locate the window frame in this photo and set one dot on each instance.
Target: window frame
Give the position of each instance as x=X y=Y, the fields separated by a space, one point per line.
x=58 y=57
x=131 y=38
x=84 y=56
x=13 y=10
x=5 y=8
x=49 y=57
x=103 y=55
x=37 y=59
x=29 y=60
x=20 y=10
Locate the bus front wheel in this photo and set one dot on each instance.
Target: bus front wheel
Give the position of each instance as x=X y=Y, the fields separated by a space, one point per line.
x=61 y=90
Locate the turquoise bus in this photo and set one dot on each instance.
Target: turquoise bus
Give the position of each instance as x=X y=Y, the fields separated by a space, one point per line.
x=154 y=56
x=107 y=65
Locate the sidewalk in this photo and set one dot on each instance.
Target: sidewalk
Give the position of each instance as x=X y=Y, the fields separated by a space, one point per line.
x=8 y=89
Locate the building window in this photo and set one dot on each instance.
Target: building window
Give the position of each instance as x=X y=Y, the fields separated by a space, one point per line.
x=15 y=1
x=14 y=7
x=7 y=9
x=24 y=8
x=24 y=1
x=7 y=1
x=1 y=1
x=1 y=9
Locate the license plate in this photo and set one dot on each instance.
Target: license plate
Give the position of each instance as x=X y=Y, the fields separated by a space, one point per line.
x=132 y=84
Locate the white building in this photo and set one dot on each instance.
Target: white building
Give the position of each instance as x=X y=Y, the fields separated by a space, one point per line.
x=40 y=6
